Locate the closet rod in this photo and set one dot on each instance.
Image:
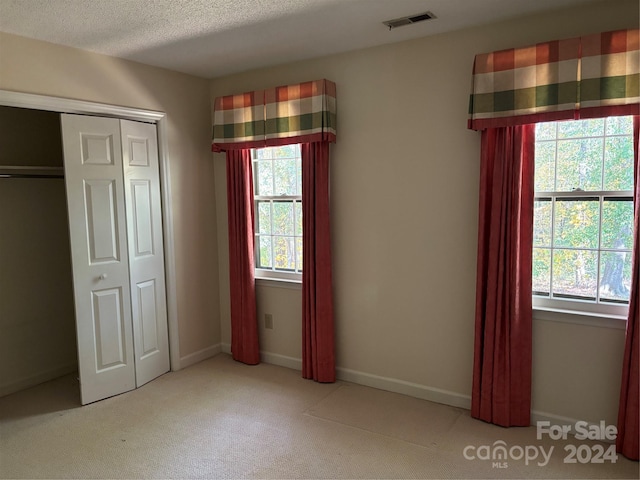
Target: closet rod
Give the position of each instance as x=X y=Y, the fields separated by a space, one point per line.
x=15 y=171
x=17 y=175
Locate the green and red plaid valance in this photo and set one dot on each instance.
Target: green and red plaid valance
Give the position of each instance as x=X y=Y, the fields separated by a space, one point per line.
x=585 y=77
x=305 y=112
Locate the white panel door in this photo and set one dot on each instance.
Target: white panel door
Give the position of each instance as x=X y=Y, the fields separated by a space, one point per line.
x=146 y=252
x=97 y=225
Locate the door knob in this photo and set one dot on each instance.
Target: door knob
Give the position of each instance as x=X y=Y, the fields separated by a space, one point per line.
x=103 y=276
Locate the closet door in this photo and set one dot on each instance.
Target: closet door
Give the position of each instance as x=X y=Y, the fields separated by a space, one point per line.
x=97 y=224
x=146 y=252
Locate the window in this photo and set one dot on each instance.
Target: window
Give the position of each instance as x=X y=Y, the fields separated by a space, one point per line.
x=583 y=215
x=277 y=184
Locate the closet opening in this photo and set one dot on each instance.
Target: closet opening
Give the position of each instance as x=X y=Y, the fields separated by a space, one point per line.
x=37 y=317
x=37 y=320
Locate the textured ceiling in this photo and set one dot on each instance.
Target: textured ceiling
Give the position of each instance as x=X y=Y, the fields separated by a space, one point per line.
x=211 y=38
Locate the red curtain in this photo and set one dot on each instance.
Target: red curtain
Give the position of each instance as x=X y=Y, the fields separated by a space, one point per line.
x=628 y=421
x=501 y=392
x=318 y=350
x=244 y=325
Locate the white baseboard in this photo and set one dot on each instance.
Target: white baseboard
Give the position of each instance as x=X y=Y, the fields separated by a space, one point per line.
x=33 y=380
x=406 y=388
x=271 y=358
x=200 y=355
x=383 y=383
x=537 y=416
x=281 y=360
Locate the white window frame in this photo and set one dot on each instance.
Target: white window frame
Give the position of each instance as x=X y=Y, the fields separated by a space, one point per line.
x=576 y=310
x=273 y=274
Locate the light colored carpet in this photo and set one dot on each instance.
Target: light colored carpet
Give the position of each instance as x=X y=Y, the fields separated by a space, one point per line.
x=388 y=414
x=222 y=419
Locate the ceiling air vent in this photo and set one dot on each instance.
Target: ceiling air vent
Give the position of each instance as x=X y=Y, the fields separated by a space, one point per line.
x=400 y=22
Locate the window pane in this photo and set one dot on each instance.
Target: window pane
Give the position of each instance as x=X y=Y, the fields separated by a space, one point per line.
x=581 y=128
x=577 y=223
x=264 y=177
x=618 y=164
x=545 y=166
x=263 y=153
x=546 y=131
x=298 y=229
x=286 y=177
x=286 y=151
x=283 y=218
x=617 y=223
x=299 y=252
x=264 y=257
x=620 y=125
x=579 y=165
x=615 y=276
x=264 y=217
x=575 y=273
x=542 y=223
x=541 y=271
x=284 y=252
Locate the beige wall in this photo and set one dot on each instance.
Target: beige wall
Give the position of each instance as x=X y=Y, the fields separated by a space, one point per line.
x=37 y=67
x=404 y=195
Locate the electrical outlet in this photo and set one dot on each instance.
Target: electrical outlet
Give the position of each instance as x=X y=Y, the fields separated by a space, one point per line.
x=268 y=321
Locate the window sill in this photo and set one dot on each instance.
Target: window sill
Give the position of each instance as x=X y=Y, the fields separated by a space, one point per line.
x=580 y=318
x=279 y=283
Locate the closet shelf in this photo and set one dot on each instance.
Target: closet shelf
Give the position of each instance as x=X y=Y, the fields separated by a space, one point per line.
x=19 y=171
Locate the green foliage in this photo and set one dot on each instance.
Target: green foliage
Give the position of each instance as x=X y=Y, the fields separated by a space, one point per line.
x=542 y=223
x=545 y=166
x=581 y=128
x=542 y=270
x=263 y=173
x=618 y=164
x=617 y=224
x=264 y=217
x=546 y=131
x=576 y=223
x=575 y=272
x=579 y=165
x=619 y=126
x=264 y=258
x=285 y=173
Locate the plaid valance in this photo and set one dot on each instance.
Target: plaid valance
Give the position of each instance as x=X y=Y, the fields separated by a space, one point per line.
x=305 y=112
x=591 y=76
